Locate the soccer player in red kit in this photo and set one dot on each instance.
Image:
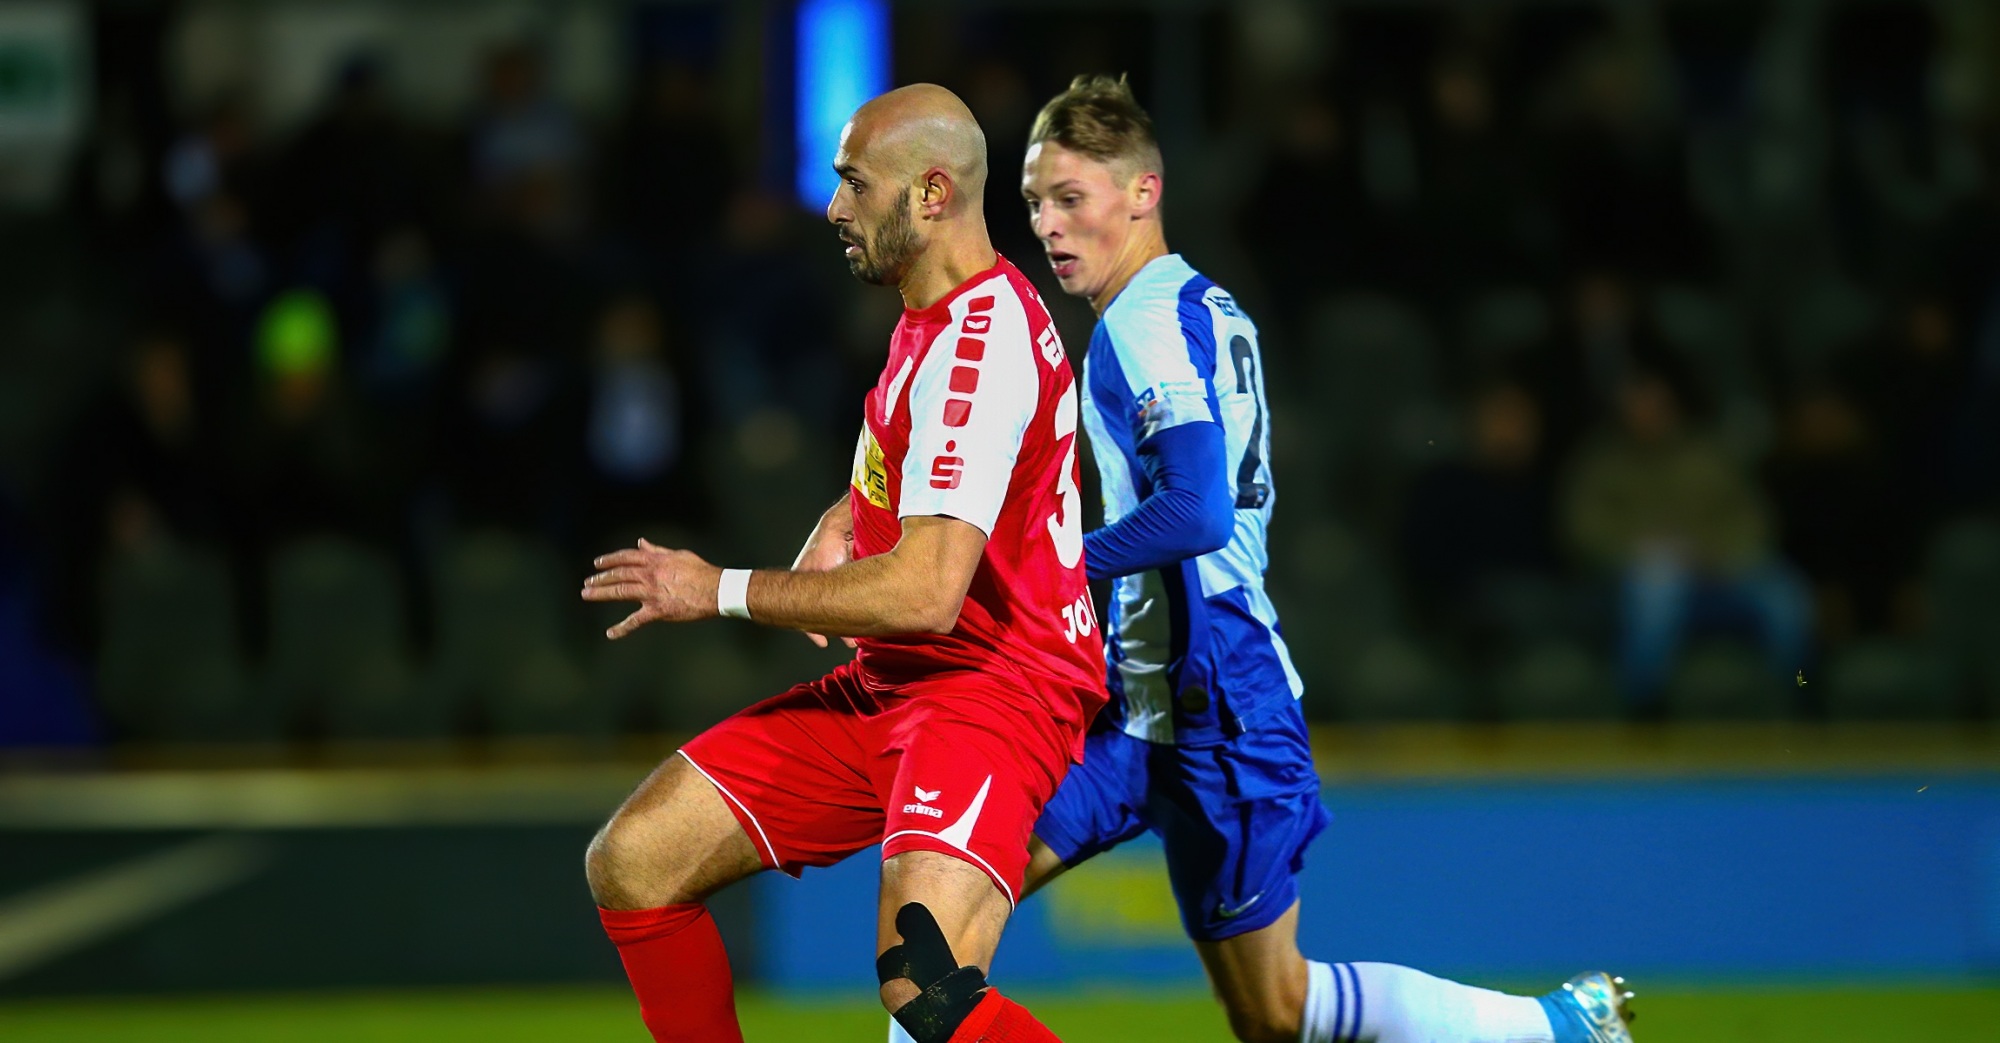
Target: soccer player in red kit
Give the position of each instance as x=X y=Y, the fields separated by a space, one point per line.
x=955 y=563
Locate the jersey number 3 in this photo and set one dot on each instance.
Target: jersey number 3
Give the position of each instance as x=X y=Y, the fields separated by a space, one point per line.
x=1066 y=524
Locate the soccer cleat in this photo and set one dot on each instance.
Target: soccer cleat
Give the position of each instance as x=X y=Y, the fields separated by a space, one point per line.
x=1590 y=1008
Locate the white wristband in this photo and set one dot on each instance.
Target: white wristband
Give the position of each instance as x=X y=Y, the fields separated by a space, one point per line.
x=732 y=595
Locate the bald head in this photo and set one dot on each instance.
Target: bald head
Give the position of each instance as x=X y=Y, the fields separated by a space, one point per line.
x=918 y=128
x=912 y=166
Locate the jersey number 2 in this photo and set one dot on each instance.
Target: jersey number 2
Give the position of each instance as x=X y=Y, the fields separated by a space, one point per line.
x=1066 y=524
x=1250 y=492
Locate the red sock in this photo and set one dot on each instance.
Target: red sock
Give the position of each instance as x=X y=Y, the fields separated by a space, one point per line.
x=998 y=1019
x=679 y=970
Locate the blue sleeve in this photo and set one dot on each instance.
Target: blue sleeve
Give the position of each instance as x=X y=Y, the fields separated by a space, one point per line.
x=1189 y=513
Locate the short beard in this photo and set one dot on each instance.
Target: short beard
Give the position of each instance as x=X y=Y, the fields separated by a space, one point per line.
x=883 y=261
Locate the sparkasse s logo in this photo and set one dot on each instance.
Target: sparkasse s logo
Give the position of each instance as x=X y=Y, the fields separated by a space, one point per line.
x=946 y=471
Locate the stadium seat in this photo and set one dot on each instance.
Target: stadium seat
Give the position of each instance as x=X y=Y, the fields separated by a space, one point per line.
x=1332 y=593
x=170 y=664
x=1397 y=679
x=1555 y=680
x=781 y=478
x=1962 y=589
x=1725 y=680
x=1824 y=318
x=1709 y=333
x=339 y=645
x=682 y=678
x=502 y=607
x=1500 y=323
x=1883 y=680
x=1962 y=581
x=1375 y=360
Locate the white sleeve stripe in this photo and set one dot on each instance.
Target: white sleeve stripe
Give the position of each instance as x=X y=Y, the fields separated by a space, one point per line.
x=971 y=400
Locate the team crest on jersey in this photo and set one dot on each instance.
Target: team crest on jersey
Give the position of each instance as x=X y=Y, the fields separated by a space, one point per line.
x=871 y=475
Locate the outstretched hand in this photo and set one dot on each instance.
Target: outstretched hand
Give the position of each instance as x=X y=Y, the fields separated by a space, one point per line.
x=674 y=586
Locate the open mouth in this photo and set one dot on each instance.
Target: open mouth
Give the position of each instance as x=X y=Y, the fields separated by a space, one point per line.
x=1063 y=264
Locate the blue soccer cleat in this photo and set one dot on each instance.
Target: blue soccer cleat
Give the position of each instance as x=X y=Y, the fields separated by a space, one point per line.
x=1590 y=1008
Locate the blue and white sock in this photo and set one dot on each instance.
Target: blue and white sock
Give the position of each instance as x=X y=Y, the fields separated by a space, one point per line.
x=1385 y=1003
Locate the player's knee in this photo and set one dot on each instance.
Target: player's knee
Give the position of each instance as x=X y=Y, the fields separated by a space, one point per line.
x=923 y=985
x=1261 y=1020
x=603 y=866
x=620 y=872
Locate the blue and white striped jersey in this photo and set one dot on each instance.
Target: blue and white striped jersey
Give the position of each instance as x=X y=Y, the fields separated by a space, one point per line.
x=1195 y=651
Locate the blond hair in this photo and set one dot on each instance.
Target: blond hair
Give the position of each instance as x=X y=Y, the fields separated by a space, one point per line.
x=1098 y=117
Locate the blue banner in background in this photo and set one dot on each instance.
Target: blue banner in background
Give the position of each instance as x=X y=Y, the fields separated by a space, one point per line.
x=842 y=51
x=1689 y=880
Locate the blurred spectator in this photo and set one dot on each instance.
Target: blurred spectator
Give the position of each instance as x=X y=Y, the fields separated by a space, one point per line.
x=1922 y=389
x=766 y=332
x=304 y=459
x=1477 y=536
x=1607 y=335
x=1681 y=527
x=453 y=354
x=528 y=151
x=1900 y=173
x=510 y=431
x=211 y=274
x=1479 y=224
x=1839 y=516
x=1304 y=221
x=1617 y=168
x=407 y=321
x=351 y=176
x=671 y=153
x=216 y=158
x=137 y=467
x=115 y=191
x=636 y=425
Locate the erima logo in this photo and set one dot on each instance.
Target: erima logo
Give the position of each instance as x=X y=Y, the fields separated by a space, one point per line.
x=924 y=796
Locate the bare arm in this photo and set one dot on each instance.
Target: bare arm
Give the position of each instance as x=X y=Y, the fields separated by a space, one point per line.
x=917 y=587
x=830 y=546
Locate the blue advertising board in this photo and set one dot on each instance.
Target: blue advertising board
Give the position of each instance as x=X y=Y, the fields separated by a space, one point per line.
x=1688 y=880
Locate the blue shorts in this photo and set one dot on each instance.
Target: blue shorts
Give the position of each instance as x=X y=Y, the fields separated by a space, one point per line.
x=1235 y=817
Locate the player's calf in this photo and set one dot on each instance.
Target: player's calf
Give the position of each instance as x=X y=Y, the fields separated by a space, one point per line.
x=953 y=1004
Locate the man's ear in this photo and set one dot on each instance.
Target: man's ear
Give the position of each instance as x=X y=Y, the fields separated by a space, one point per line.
x=934 y=192
x=1147 y=188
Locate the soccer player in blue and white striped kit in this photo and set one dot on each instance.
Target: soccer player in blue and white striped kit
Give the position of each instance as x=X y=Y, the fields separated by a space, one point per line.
x=1203 y=742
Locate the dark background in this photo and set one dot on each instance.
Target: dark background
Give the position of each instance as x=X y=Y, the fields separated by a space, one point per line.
x=1627 y=360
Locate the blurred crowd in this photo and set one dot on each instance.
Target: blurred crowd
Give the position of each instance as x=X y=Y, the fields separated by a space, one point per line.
x=1630 y=361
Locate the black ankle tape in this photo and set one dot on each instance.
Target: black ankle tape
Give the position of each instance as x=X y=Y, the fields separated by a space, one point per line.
x=936 y=1014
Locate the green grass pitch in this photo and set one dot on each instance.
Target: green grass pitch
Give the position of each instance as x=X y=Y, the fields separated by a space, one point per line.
x=1747 y=1015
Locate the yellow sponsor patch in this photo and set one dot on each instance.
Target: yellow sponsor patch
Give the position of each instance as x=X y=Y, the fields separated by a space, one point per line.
x=871 y=476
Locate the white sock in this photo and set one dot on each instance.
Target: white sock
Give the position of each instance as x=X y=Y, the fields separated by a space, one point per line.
x=1384 y=1003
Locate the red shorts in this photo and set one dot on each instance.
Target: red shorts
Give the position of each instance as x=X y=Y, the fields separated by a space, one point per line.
x=959 y=763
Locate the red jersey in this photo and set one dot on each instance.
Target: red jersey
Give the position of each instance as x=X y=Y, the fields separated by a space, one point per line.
x=975 y=417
